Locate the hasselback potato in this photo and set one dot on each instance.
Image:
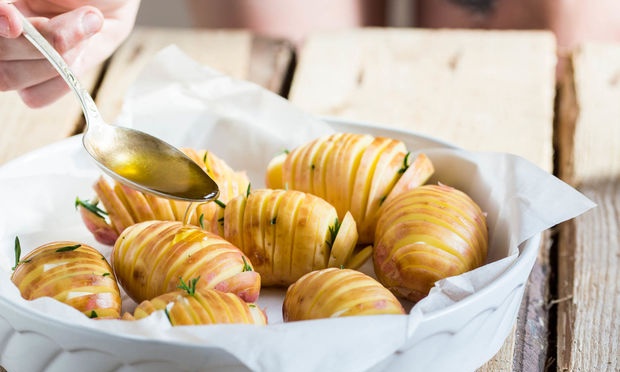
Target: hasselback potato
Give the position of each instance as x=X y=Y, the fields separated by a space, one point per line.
x=73 y=273
x=427 y=234
x=188 y=306
x=150 y=257
x=287 y=233
x=123 y=206
x=336 y=292
x=354 y=172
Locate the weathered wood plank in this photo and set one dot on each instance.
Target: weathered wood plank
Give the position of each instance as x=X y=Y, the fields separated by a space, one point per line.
x=589 y=114
x=236 y=53
x=24 y=129
x=589 y=315
x=588 y=137
x=477 y=89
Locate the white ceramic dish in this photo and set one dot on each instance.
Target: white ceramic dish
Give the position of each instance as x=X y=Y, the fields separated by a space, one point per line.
x=463 y=335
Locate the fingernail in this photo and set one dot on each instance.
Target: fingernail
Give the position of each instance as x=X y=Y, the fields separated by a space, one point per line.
x=5 y=29
x=91 y=23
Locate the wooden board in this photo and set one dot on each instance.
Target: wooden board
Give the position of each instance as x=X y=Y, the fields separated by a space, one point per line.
x=23 y=129
x=589 y=315
x=236 y=53
x=589 y=114
x=588 y=312
x=477 y=89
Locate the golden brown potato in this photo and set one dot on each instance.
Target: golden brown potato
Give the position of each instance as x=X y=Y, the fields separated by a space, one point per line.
x=150 y=257
x=336 y=292
x=427 y=234
x=188 y=306
x=287 y=233
x=123 y=206
x=355 y=173
x=73 y=273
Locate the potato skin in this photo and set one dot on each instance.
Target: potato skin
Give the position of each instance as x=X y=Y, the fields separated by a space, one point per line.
x=150 y=257
x=334 y=292
x=205 y=306
x=125 y=206
x=353 y=172
x=288 y=233
x=79 y=277
x=427 y=234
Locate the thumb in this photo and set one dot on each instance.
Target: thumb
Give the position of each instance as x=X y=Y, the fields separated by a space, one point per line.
x=66 y=30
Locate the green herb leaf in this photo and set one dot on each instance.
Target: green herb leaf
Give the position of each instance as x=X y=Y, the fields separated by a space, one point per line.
x=247 y=192
x=201 y=221
x=221 y=221
x=406 y=163
x=274 y=220
x=246 y=266
x=168 y=315
x=106 y=274
x=333 y=232
x=18 y=253
x=220 y=203
x=69 y=248
x=93 y=314
x=91 y=207
x=189 y=287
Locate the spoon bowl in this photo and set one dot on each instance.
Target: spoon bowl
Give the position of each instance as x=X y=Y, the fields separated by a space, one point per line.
x=135 y=158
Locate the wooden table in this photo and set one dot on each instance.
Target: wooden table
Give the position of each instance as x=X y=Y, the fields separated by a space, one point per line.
x=480 y=90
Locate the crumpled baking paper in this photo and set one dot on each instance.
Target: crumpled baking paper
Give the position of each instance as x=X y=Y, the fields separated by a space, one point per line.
x=188 y=104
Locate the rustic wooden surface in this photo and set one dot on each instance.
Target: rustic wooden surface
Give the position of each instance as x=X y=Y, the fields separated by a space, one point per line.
x=236 y=53
x=23 y=129
x=475 y=89
x=588 y=311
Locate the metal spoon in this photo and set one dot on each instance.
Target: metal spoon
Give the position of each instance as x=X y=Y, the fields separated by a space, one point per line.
x=135 y=158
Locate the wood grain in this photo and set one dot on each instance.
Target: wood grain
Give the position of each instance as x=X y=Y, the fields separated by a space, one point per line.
x=24 y=129
x=236 y=53
x=477 y=89
x=589 y=114
x=588 y=138
x=589 y=315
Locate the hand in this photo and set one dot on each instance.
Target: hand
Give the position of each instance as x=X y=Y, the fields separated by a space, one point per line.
x=85 y=33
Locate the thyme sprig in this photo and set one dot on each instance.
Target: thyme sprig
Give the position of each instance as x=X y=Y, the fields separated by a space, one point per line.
x=91 y=207
x=68 y=248
x=406 y=163
x=333 y=232
x=18 y=254
x=190 y=286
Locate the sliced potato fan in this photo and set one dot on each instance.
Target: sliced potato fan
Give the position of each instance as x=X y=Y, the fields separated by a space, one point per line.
x=287 y=233
x=427 y=234
x=149 y=259
x=355 y=173
x=188 y=306
x=334 y=292
x=70 y=272
x=122 y=206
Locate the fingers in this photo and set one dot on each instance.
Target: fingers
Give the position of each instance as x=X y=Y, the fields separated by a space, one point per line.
x=10 y=23
x=45 y=93
x=24 y=68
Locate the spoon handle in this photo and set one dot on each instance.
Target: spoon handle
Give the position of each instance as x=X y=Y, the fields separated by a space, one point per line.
x=33 y=35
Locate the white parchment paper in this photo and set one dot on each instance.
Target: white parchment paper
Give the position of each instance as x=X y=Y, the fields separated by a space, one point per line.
x=188 y=104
